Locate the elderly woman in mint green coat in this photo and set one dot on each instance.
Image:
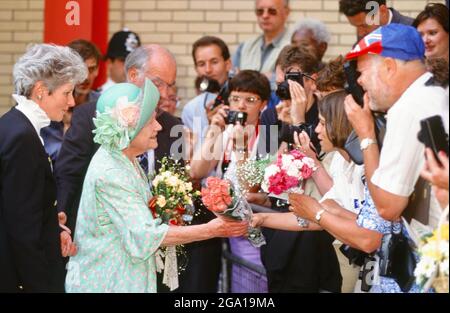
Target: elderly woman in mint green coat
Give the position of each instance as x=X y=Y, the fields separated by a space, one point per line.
x=116 y=234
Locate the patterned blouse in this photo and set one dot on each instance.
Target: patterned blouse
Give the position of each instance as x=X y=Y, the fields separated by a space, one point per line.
x=370 y=219
x=116 y=234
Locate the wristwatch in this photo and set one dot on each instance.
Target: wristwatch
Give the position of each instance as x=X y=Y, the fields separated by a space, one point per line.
x=319 y=215
x=366 y=143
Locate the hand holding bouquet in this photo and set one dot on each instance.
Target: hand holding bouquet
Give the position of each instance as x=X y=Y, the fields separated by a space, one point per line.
x=288 y=174
x=172 y=202
x=221 y=198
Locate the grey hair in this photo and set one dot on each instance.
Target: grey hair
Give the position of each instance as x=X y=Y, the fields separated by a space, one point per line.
x=53 y=65
x=140 y=57
x=318 y=29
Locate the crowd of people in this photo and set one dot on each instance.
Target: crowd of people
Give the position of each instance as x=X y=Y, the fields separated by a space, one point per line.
x=75 y=162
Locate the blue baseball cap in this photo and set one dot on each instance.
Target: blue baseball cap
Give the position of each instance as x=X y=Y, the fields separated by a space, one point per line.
x=395 y=41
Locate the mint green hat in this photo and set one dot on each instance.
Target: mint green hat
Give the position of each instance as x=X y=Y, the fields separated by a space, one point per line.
x=122 y=111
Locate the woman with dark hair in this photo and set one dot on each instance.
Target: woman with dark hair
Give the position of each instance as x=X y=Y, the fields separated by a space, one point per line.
x=432 y=24
x=233 y=143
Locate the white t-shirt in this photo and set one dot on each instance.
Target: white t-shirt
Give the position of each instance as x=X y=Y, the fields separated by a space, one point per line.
x=402 y=157
x=348 y=184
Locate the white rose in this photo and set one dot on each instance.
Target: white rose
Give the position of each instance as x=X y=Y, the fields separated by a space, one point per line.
x=181 y=188
x=172 y=182
x=189 y=187
x=161 y=201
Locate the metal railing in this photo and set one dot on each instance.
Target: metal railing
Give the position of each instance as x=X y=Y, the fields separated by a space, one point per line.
x=238 y=274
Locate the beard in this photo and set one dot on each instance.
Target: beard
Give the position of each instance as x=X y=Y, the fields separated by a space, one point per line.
x=378 y=95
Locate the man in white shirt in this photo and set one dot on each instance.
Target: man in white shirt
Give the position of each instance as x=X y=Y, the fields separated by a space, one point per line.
x=393 y=72
x=212 y=60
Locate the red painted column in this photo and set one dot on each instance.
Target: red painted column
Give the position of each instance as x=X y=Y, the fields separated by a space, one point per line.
x=67 y=20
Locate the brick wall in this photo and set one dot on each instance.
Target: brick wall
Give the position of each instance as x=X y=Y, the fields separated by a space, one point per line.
x=175 y=24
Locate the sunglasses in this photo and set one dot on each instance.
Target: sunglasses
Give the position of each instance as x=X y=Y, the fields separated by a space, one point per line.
x=271 y=11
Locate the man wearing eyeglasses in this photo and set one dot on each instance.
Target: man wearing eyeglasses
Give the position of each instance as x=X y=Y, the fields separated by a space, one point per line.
x=153 y=62
x=260 y=53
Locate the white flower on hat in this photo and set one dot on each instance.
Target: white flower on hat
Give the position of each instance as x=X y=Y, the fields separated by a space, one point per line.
x=127 y=113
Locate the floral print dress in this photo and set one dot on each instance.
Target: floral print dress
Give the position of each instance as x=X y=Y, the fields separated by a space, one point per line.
x=116 y=235
x=370 y=219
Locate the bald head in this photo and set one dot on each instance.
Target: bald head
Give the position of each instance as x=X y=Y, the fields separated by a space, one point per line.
x=155 y=63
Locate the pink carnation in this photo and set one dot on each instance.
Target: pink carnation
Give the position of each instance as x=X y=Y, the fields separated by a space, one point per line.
x=281 y=182
x=306 y=172
x=216 y=197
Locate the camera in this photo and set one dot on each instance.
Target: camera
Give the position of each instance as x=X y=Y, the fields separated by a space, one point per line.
x=287 y=131
x=206 y=84
x=433 y=135
x=224 y=94
x=283 y=91
x=352 y=86
x=234 y=117
x=354 y=256
x=287 y=134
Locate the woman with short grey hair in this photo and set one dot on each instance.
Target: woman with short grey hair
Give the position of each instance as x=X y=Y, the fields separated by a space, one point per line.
x=32 y=245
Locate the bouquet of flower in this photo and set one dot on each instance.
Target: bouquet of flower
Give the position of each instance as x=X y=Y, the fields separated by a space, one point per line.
x=250 y=174
x=221 y=198
x=288 y=174
x=432 y=270
x=172 y=202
